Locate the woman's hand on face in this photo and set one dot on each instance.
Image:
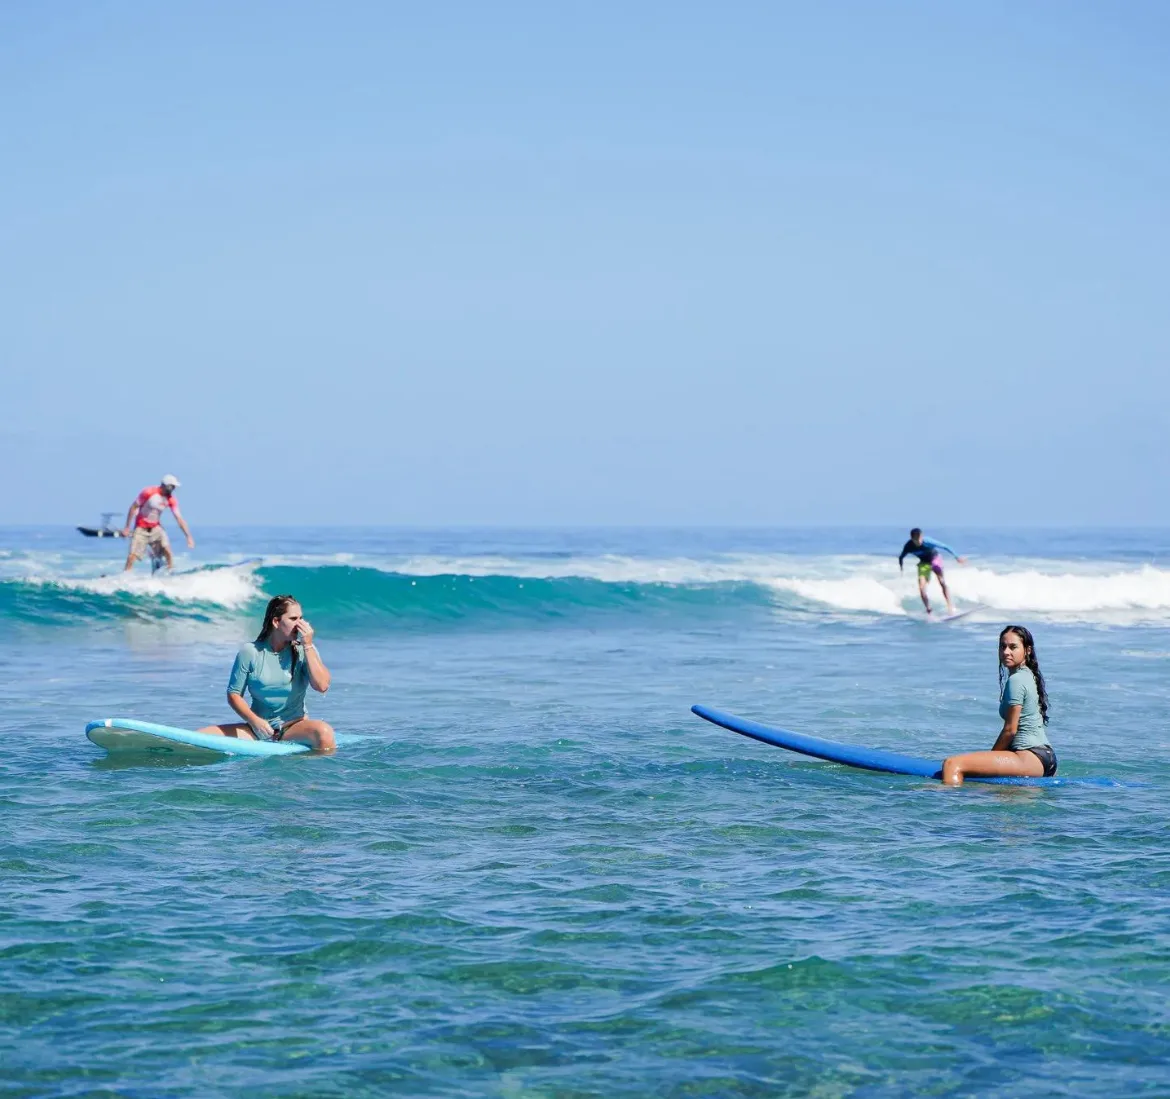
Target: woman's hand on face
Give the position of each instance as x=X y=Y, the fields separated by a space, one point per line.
x=261 y=728
x=306 y=631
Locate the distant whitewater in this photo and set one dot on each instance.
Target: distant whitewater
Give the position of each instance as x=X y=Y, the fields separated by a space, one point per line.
x=422 y=591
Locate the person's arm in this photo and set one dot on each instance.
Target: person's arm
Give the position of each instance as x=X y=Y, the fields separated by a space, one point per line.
x=1012 y=700
x=182 y=524
x=319 y=677
x=241 y=672
x=1011 y=723
x=907 y=548
x=258 y=724
x=943 y=546
x=130 y=517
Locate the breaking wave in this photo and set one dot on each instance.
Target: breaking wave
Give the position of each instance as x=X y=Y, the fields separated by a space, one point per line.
x=422 y=592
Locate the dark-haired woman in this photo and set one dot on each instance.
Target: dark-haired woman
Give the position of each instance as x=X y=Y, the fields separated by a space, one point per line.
x=276 y=669
x=1022 y=748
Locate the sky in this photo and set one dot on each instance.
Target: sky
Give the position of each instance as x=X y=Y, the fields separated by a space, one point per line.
x=572 y=264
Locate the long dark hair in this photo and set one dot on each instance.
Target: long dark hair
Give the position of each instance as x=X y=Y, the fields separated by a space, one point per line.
x=277 y=605
x=1030 y=662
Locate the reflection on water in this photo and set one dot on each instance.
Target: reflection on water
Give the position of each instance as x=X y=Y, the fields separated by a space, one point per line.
x=160 y=757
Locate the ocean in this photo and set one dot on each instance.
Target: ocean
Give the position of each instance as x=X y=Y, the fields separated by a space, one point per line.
x=539 y=874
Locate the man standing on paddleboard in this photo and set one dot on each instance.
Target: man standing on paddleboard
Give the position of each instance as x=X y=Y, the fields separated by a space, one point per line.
x=149 y=506
x=929 y=557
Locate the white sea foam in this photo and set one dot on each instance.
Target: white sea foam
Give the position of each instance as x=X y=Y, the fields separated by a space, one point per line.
x=853 y=593
x=1099 y=592
x=1125 y=589
x=230 y=587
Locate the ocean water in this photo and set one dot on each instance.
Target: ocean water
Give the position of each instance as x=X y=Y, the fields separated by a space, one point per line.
x=540 y=875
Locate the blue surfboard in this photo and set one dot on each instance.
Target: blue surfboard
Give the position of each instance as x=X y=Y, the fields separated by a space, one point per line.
x=871 y=759
x=121 y=734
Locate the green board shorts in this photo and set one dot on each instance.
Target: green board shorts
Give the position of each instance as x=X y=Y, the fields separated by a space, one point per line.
x=925 y=568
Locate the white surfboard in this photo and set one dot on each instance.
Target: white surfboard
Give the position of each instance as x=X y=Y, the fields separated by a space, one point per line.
x=956 y=616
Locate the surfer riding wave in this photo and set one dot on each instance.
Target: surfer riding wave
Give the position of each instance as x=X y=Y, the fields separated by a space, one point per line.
x=929 y=554
x=146 y=516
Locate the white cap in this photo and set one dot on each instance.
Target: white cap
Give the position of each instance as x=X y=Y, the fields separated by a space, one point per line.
x=171 y=481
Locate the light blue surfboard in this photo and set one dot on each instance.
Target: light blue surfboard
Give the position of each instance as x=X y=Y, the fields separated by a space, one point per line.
x=869 y=758
x=120 y=734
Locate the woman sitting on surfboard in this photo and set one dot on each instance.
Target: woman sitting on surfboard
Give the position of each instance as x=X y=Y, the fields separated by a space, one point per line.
x=1022 y=746
x=276 y=669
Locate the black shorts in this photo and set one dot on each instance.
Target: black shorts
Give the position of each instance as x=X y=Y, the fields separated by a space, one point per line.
x=1047 y=756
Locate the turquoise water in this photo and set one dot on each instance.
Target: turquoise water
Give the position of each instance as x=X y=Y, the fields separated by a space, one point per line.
x=541 y=875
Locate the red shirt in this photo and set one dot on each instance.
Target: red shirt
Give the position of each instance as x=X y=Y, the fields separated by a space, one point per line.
x=152 y=502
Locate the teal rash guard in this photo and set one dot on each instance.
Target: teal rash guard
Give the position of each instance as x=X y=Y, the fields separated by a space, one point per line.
x=277 y=693
x=1020 y=690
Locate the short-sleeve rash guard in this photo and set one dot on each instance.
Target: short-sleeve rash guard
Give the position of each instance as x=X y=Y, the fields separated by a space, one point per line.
x=152 y=502
x=267 y=676
x=1020 y=690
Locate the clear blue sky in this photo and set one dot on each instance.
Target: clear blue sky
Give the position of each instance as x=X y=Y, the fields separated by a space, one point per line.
x=594 y=263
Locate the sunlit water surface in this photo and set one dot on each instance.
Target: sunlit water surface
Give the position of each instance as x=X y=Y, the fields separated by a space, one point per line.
x=540 y=875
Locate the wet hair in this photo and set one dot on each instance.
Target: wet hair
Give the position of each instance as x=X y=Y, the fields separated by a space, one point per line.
x=1030 y=662
x=276 y=608
x=916 y=532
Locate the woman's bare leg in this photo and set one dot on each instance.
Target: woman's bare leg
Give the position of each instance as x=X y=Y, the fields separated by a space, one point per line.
x=1022 y=764
x=318 y=735
x=240 y=730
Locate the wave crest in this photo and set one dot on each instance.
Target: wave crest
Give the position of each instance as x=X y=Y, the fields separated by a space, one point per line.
x=59 y=599
x=425 y=592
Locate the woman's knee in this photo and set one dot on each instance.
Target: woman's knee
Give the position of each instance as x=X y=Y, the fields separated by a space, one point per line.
x=326 y=741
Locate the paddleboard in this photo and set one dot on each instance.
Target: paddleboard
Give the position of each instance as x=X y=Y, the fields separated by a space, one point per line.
x=871 y=759
x=119 y=734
